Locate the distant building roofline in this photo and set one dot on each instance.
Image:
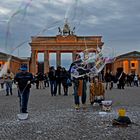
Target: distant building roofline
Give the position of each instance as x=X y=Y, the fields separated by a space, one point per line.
x=128 y=54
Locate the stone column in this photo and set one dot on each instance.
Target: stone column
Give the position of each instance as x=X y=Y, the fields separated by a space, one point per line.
x=28 y=65
x=58 y=58
x=73 y=55
x=9 y=63
x=46 y=61
x=33 y=62
x=138 y=67
x=129 y=66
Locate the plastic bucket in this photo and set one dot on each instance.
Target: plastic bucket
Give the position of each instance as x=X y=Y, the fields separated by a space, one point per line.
x=121 y=112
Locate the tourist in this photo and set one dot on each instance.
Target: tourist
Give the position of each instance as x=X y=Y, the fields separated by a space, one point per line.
x=52 y=78
x=121 y=79
x=2 y=82
x=8 y=80
x=58 y=79
x=64 y=78
x=136 y=80
x=23 y=80
x=129 y=79
x=36 y=80
x=41 y=80
x=108 y=80
x=46 y=80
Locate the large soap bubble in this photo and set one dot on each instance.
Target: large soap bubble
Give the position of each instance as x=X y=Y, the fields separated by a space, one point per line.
x=21 y=23
x=90 y=61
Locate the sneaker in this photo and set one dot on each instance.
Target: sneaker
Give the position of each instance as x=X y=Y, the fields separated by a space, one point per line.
x=84 y=106
x=77 y=107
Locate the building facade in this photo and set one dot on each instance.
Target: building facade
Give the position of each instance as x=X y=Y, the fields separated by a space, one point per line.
x=13 y=63
x=60 y=44
x=130 y=62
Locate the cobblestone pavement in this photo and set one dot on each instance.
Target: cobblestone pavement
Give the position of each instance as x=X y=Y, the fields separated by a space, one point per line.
x=54 y=118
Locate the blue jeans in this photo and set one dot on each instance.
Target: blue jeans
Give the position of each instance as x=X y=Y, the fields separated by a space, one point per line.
x=23 y=99
x=76 y=97
x=9 y=87
x=58 y=87
x=53 y=87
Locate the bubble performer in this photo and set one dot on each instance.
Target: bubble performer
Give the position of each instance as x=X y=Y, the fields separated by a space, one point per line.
x=89 y=62
x=79 y=82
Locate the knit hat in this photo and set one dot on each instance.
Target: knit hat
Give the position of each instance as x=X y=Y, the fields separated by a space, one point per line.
x=23 y=67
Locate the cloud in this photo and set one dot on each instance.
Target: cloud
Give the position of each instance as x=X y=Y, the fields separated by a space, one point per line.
x=4 y=11
x=117 y=21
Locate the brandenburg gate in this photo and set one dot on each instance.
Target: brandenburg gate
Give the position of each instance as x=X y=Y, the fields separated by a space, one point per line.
x=65 y=42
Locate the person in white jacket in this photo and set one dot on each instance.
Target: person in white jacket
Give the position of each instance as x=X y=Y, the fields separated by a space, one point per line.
x=8 y=80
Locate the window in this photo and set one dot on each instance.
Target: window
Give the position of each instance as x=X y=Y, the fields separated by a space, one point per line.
x=132 y=64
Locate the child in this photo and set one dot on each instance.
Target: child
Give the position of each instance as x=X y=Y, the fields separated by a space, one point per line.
x=97 y=91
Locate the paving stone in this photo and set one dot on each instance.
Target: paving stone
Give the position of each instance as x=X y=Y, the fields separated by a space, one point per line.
x=54 y=118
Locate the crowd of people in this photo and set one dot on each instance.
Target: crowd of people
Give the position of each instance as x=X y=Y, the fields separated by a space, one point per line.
x=55 y=79
x=59 y=80
x=121 y=79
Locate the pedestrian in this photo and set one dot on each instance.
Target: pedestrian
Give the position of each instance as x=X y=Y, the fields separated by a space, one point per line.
x=23 y=80
x=79 y=82
x=121 y=80
x=136 y=80
x=2 y=82
x=108 y=80
x=121 y=77
x=65 y=76
x=52 y=78
x=36 y=80
x=58 y=79
x=41 y=80
x=46 y=80
x=8 y=80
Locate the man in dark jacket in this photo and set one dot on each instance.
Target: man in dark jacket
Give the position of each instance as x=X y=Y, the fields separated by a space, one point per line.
x=58 y=79
x=52 y=79
x=108 y=79
x=23 y=80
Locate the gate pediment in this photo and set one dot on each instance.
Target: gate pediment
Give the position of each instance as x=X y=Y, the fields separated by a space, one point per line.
x=68 y=38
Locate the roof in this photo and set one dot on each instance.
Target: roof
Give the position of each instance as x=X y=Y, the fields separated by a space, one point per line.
x=5 y=56
x=133 y=54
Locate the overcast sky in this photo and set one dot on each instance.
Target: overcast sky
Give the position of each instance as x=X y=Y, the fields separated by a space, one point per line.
x=117 y=21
